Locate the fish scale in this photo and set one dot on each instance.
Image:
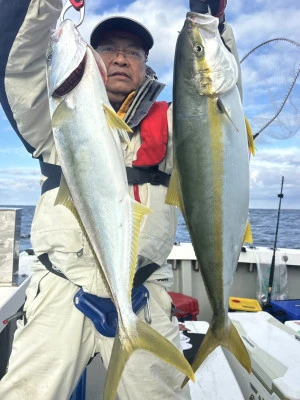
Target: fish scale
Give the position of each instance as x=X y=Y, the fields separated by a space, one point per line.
x=210 y=182
x=94 y=187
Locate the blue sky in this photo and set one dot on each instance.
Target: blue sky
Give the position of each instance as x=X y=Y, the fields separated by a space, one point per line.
x=267 y=75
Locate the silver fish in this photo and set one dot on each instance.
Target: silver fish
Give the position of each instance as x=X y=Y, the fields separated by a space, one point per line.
x=86 y=132
x=210 y=182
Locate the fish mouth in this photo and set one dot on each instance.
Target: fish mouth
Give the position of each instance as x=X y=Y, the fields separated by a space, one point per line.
x=72 y=81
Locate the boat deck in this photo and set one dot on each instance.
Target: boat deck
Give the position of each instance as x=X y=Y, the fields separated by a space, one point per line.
x=187 y=280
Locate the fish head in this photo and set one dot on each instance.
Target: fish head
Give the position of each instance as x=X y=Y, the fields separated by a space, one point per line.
x=66 y=57
x=212 y=68
x=190 y=52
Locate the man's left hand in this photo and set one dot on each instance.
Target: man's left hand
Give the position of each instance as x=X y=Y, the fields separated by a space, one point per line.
x=213 y=7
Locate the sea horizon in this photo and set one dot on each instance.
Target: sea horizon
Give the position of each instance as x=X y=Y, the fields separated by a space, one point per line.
x=263 y=223
x=250 y=208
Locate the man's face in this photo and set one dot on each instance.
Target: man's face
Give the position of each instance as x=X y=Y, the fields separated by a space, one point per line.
x=124 y=58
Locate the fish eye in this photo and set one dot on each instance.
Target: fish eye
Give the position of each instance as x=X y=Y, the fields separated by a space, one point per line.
x=198 y=48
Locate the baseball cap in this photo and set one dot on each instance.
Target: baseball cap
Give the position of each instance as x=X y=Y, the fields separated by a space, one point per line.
x=118 y=23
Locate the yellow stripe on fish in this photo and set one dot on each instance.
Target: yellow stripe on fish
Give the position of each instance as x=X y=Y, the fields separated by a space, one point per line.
x=211 y=175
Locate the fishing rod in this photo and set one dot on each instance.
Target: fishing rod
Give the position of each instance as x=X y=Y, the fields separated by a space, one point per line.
x=271 y=278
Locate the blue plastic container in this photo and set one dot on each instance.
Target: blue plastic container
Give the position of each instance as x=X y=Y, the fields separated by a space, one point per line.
x=285 y=310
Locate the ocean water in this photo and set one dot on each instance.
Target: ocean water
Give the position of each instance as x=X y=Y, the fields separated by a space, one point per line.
x=263 y=224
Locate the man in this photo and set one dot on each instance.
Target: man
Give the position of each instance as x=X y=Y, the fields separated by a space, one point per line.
x=54 y=343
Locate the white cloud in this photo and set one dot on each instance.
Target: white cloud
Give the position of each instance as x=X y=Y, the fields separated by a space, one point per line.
x=266 y=170
x=19 y=185
x=259 y=26
x=253 y=22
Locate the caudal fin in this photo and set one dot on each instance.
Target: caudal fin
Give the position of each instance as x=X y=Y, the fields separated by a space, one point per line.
x=147 y=339
x=231 y=341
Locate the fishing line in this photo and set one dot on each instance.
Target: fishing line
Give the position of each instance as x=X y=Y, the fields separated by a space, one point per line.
x=271 y=77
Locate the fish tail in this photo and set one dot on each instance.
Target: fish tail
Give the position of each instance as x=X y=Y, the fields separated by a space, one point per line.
x=230 y=340
x=146 y=339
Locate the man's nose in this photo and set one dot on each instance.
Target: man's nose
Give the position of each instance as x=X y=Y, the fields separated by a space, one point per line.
x=120 y=58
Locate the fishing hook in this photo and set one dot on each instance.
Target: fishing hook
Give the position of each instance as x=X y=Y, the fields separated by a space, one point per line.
x=78 y=5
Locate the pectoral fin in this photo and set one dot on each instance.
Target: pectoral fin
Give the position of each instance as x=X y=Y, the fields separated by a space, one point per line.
x=116 y=122
x=222 y=108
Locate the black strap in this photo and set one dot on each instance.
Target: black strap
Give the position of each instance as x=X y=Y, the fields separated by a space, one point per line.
x=53 y=174
x=152 y=175
x=44 y=259
x=143 y=273
x=135 y=176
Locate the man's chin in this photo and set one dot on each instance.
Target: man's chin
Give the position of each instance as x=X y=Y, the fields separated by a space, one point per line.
x=118 y=95
x=119 y=88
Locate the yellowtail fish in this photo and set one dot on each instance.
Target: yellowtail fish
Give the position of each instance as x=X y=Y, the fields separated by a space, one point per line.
x=86 y=131
x=210 y=182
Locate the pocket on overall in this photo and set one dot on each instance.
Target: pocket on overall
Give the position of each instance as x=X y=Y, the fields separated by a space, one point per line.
x=33 y=292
